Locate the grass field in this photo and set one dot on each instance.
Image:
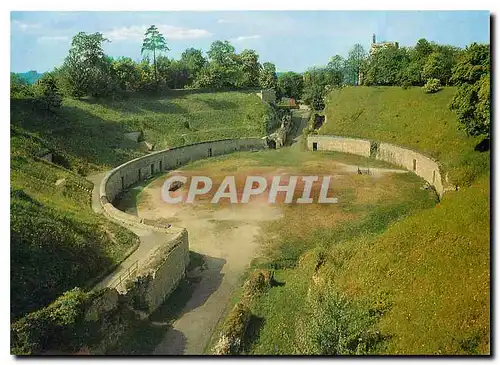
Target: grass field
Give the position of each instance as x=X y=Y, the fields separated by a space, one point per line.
x=396 y=280
x=88 y=133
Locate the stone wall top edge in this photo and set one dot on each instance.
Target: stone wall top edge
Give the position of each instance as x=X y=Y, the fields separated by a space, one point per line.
x=102 y=188
x=326 y=136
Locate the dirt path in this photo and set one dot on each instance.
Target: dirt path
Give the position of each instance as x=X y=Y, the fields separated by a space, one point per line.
x=227 y=239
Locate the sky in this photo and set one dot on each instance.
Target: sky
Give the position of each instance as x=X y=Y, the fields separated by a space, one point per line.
x=292 y=40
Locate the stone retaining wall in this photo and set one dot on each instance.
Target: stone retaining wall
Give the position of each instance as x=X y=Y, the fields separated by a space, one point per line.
x=167 y=262
x=423 y=166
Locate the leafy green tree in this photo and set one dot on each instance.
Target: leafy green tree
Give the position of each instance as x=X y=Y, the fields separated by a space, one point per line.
x=250 y=67
x=472 y=64
x=127 y=73
x=472 y=101
x=163 y=72
x=46 y=92
x=194 y=61
x=317 y=82
x=354 y=63
x=335 y=69
x=213 y=76
x=147 y=77
x=19 y=87
x=178 y=75
x=267 y=76
x=290 y=84
x=154 y=42
x=222 y=53
x=86 y=70
x=387 y=66
x=423 y=49
x=439 y=64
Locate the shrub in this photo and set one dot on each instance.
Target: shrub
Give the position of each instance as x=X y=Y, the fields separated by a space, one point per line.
x=60 y=323
x=406 y=84
x=432 y=86
x=336 y=326
x=233 y=331
x=46 y=92
x=258 y=282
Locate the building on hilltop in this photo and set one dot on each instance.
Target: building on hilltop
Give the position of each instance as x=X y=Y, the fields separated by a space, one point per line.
x=376 y=46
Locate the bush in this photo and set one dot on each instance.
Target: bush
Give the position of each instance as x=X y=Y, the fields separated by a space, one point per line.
x=336 y=326
x=406 y=84
x=46 y=92
x=59 y=324
x=432 y=86
x=258 y=282
x=233 y=332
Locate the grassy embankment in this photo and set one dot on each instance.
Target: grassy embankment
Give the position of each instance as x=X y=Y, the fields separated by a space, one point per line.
x=398 y=280
x=57 y=242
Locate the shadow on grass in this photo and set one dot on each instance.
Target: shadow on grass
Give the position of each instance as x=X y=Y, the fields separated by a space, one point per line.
x=74 y=133
x=483 y=146
x=137 y=104
x=219 y=104
x=144 y=338
x=252 y=333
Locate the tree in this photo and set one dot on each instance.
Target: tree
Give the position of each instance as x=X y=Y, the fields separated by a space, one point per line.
x=356 y=58
x=387 y=66
x=472 y=100
x=250 y=67
x=46 y=92
x=86 y=70
x=317 y=82
x=163 y=72
x=19 y=87
x=290 y=84
x=194 y=61
x=178 y=75
x=335 y=69
x=213 y=76
x=472 y=64
x=154 y=42
x=267 y=76
x=127 y=73
x=422 y=50
x=222 y=53
x=439 y=64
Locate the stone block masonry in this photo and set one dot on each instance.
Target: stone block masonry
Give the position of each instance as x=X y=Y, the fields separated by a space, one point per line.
x=423 y=166
x=166 y=249
x=340 y=144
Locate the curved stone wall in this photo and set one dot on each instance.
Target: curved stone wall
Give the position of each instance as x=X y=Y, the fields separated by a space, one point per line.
x=167 y=264
x=423 y=166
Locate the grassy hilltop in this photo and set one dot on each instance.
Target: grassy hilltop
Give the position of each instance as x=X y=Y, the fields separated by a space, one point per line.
x=87 y=133
x=57 y=241
x=396 y=283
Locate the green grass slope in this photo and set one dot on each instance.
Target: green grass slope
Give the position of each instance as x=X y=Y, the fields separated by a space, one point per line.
x=408 y=117
x=416 y=283
x=434 y=266
x=57 y=241
x=88 y=133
